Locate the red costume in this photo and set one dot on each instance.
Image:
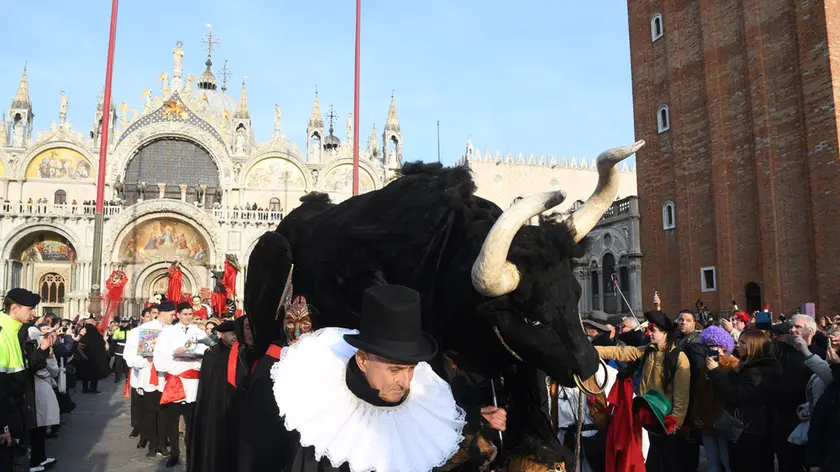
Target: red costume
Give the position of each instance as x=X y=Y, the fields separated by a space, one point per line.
x=624 y=436
x=112 y=298
x=173 y=290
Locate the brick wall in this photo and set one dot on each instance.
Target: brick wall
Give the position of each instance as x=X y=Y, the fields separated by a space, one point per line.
x=751 y=159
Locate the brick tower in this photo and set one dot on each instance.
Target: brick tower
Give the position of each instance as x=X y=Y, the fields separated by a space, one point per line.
x=739 y=183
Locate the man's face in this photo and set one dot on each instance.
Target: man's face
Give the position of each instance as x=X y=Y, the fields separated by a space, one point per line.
x=166 y=317
x=21 y=313
x=592 y=333
x=798 y=328
x=738 y=324
x=392 y=380
x=154 y=313
x=657 y=336
x=185 y=316
x=686 y=323
x=626 y=325
x=146 y=317
x=228 y=338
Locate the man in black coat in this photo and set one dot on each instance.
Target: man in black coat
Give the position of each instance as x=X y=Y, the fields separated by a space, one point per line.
x=93 y=364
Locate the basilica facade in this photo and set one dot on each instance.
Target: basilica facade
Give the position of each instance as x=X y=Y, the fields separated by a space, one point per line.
x=186 y=181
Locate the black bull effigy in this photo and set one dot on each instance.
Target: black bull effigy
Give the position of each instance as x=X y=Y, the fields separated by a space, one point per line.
x=498 y=294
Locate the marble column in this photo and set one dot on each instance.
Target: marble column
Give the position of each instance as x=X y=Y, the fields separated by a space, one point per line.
x=635 y=295
x=183 y=188
x=602 y=290
x=161 y=190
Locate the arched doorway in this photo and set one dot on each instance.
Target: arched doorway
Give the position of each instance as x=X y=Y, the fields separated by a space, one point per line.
x=610 y=297
x=752 y=293
x=43 y=262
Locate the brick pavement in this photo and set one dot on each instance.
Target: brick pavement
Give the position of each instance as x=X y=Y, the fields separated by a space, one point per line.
x=95 y=437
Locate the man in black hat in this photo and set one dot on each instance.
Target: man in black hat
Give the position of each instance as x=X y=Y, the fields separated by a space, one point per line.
x=368 y=399
x=149 y=383
x=17 y=386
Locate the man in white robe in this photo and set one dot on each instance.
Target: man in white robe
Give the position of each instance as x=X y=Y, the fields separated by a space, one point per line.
x=145 y=378
x=178 y=354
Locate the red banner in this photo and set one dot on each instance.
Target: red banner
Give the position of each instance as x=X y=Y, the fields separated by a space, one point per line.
x=112 y=298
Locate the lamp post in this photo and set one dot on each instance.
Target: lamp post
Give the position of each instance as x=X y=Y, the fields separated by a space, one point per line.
x=98 y=222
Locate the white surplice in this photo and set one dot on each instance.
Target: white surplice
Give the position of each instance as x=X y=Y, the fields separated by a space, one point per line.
x=172 y=338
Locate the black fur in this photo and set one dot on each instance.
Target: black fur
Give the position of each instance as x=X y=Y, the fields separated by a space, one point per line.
x=268 y=268
x=424 y=230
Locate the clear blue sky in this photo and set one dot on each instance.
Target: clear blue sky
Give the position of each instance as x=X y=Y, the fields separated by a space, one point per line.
x=531 y=76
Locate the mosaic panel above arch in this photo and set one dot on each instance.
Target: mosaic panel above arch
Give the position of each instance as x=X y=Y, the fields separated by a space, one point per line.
x=163 y=238
x=274 y=172
x=340 y=178
x=59 y=163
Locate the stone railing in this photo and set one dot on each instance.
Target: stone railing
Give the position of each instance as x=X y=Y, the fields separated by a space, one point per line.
x=68 y=210
x=232 y=215
x=51 y=210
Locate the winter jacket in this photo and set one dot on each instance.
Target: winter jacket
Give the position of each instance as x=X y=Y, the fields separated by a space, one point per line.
x=653 y=373
x=748 y=391
x=707 y=405
x=823 y=448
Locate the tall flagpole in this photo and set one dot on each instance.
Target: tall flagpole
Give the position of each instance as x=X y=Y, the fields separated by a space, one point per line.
x=356 y=102
x=98 y=222
x=438 y=136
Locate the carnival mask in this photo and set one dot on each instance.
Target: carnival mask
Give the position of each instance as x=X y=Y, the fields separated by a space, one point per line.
x=298 y=320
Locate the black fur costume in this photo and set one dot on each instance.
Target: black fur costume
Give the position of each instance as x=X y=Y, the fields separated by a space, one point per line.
x=425 y=230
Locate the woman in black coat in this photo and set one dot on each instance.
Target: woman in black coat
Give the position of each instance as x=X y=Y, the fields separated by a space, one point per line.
x=92 y=359
x=748 y=391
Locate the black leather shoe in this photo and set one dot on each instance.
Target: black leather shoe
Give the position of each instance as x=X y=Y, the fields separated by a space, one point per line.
x=171 y=462
x=163 y=453
x=143 y=443
x=133 y=433
x=151 y=453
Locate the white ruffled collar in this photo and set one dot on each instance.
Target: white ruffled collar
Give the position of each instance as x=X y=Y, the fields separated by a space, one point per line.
x=419 y=434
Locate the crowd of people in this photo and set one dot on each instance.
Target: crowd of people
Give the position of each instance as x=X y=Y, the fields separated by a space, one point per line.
x=755 y=395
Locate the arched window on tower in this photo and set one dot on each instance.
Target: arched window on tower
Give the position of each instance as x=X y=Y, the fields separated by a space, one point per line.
x=274 y=204
x=663 y=119
x=60 y=197
x=315 y=147
x=669 y=215
x=657 y=29
x=392 y=149
x=52 y=288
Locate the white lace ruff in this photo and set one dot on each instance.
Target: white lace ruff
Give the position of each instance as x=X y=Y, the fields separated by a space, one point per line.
x=310 y=389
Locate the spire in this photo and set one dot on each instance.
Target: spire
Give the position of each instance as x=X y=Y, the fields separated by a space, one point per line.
x=207 y=81
x=22 y=96
x=373 y=143
x=315 y=119
x=242 y=112
x=4 y=139
x=392 y=123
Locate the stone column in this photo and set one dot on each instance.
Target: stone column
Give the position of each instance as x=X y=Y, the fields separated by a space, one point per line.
x=161 y=190
x=602 y=290
x=635 y=296
x=183 y=188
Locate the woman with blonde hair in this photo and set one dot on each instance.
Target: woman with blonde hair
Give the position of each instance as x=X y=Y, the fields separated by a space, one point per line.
x=747 y=393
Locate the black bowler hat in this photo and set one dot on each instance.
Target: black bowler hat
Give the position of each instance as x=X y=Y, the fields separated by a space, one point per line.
x=23 y=297
x=225 y=327
x=660 y=319
x=166 y=306
x=390 y=326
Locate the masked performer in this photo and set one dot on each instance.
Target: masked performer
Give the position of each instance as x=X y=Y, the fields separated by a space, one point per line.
x=368 y=399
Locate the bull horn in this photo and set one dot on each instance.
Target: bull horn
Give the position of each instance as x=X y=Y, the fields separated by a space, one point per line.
x=587 y=216
x=492 y=274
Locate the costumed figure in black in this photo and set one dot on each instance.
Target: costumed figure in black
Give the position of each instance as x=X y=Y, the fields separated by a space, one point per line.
x=276 y=322
x=93 y=362
x=221 y=392
x=365 y=400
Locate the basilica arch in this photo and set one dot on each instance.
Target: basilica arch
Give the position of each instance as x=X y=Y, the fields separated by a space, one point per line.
x=128 y=148
x=176 y=210
x=254 y=164
x=338 y=177
x=41 y=151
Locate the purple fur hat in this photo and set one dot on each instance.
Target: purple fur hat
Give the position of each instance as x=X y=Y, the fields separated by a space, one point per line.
x=717 y=336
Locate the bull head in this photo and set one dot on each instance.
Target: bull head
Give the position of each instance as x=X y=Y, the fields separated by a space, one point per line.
x=555 y=335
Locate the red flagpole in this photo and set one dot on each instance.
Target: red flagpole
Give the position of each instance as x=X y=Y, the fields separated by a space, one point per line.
x=356 y=102
x=99 y=218
x=106 y=112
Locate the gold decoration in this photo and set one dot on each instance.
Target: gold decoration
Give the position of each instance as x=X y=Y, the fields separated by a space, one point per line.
x=175 y=109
